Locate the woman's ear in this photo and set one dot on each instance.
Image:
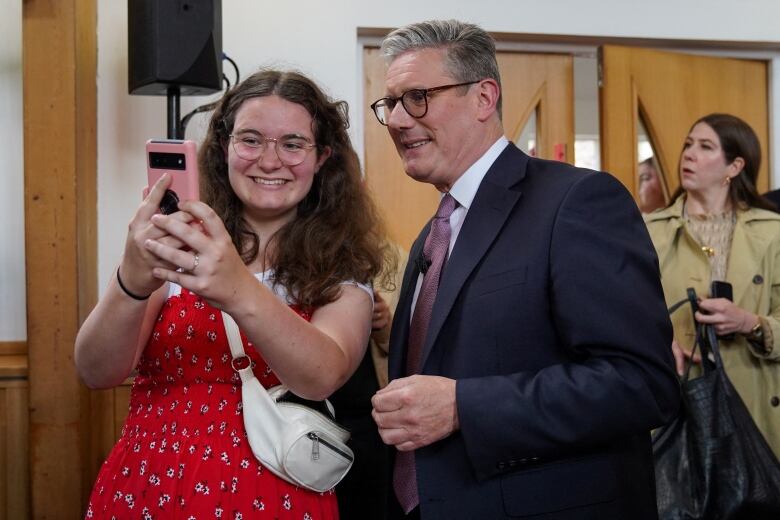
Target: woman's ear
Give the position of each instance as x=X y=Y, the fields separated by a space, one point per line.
x=322 y=158
x=736 y=166
x=225 y=149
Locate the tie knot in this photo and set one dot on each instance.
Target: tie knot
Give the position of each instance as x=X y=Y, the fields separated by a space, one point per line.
x=446 y=206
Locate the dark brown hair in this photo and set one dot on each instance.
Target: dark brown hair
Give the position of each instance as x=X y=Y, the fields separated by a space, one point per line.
x=337 y=234
x=737 y=139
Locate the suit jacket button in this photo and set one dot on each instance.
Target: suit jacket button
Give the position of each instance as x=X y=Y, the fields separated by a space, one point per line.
x=534 y=459
x=500 y=465
x=513 y=463
x=758 y=279
x=775 y=401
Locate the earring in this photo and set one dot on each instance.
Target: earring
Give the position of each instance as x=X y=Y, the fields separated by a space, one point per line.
x=727 y=181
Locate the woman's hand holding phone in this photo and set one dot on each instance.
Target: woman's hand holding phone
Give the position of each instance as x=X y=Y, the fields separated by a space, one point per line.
x=210 y=265
x=137 y=262
x=172 y=176
x=194 y=250
x=725 y=316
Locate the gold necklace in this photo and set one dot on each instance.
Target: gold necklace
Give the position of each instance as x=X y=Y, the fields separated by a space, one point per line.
x=707 y=250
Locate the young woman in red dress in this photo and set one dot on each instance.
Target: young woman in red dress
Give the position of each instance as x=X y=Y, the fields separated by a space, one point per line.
x=287 y=241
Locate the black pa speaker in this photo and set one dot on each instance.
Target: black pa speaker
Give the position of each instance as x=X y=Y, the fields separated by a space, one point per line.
x=174 y=43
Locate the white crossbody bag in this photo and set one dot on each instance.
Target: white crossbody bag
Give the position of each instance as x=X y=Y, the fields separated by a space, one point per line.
x=289 y=437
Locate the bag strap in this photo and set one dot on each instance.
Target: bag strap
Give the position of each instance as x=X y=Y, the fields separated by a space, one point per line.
x=233 y=336
x=237 y=351
x=241 y=362
x=706 y=338
x=690 y=297
x=710 y=339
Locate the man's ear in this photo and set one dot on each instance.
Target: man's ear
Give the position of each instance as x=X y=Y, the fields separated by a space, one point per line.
x=488 y=93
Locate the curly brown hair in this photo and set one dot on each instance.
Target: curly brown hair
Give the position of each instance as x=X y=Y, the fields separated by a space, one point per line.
x=337 y=234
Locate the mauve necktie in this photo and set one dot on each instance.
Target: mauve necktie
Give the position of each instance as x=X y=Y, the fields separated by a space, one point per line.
x=435 y=251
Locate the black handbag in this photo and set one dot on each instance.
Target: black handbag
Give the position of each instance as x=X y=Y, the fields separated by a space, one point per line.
x=712 y=462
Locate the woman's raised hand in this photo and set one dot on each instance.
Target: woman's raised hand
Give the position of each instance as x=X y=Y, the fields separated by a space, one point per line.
x=210 y=266
x=137 y=261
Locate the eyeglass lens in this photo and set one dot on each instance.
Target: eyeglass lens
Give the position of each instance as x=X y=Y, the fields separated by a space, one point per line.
x=415 y=102
x=291 y=151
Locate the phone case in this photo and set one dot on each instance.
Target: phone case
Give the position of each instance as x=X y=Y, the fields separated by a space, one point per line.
x=720 y=289
x=180 y=159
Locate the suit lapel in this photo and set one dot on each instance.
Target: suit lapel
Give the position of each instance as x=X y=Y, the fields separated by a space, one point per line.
x=489 y=210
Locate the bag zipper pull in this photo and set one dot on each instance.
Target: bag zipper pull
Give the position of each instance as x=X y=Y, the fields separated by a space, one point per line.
x=315 y=447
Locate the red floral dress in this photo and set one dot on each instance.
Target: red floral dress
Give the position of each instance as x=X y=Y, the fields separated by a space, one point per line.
x=183 y=453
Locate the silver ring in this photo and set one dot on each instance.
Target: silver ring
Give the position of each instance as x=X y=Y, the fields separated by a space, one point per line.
x=195 y=263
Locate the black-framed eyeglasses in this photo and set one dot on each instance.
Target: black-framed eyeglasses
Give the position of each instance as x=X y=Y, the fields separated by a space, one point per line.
x=414 y=101
x=291 y=149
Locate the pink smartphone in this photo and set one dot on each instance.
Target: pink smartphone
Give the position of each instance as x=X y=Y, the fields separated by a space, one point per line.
x=180 y=159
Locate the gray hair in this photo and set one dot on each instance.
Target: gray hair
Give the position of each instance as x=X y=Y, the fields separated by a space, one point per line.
x=471 y=52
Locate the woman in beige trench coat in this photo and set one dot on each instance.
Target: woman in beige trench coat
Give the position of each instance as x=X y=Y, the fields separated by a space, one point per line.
x=719 y=228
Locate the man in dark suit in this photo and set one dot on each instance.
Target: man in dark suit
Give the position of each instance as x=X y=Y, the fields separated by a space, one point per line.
x=530 y=351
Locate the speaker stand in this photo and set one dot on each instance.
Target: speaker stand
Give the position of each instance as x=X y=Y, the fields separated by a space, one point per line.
x=174 y=112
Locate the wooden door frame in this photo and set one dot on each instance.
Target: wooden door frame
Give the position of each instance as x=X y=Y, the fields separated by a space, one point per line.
x=587 y=46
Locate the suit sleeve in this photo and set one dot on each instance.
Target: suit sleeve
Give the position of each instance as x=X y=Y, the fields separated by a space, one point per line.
x=608 y=311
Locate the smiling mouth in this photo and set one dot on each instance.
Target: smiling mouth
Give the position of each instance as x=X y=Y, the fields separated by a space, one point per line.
x=416 y=144
x=269 y=182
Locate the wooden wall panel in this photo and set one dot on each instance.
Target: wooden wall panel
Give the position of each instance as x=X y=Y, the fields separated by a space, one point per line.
x=13 y=347
x=14 y=447
x=59 y=85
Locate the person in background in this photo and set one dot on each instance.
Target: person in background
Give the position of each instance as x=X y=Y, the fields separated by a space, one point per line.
x=529 y=355
x=651 y=193
x=719 y=228
x=384 y=310
x=286 y=241
x=773 y=196
x=363 y=492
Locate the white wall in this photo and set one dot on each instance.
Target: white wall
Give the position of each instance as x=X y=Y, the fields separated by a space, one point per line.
x=13 y=313
x=320 y=38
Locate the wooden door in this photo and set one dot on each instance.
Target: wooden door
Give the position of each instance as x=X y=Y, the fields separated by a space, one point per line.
x=667 y=92
x=537 y=89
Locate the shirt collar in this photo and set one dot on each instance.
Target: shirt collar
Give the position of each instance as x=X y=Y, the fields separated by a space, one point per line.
x=465 y=188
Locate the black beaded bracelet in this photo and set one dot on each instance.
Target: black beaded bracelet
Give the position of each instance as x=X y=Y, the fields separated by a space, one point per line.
x=131 y=295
